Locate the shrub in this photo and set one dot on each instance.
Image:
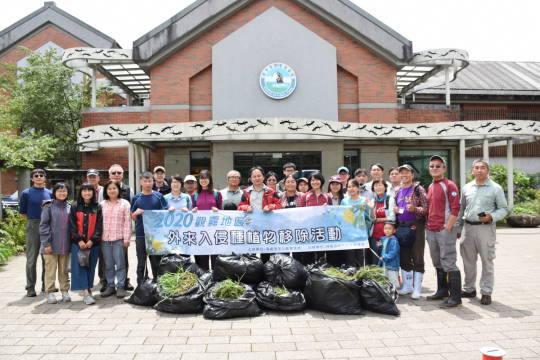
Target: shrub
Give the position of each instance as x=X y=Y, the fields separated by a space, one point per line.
x=13 y=235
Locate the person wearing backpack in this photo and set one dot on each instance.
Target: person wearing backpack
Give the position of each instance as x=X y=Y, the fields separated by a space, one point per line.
x=382 y=212
x=411 y=208
x=206 y=198
x=441 y=234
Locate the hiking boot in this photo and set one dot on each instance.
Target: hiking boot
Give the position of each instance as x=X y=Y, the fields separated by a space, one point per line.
x=31 y=293
x=128 y=286
x=470 y=294
x=454 y=300
x=442 y=287
x=121 y=293
x=108 y=292
x=485 y=300
x=51 y=299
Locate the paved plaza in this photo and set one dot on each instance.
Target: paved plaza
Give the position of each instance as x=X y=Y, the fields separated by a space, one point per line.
x=112 y=329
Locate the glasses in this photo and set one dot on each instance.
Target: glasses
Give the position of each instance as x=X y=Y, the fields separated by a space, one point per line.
x=116 y=172
x=271 y=180
x=39 y=175
x=435 y=166
x=234 y=177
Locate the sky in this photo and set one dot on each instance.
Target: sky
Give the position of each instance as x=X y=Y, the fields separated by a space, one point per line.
x=489 y=30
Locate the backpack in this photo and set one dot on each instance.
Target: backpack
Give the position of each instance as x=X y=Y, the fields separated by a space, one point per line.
x=196 y=196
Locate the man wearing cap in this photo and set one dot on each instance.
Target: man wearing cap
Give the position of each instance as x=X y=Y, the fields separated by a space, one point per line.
x=190 y=185
x=93 y=178
x=344 y=174
x=288 y=169
x=160 y=184
x=232 y=195
x=441 y=233
x=482 y=205
x=411 y=208
x=30 y=203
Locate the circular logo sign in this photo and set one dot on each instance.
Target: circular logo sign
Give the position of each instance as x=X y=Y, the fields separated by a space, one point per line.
x=278 y=80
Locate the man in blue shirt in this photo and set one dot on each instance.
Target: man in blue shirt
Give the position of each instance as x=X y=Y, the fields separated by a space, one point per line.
x=30 y=203
x=147 y=199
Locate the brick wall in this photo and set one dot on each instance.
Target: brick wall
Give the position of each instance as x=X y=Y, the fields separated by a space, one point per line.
x=408 y=116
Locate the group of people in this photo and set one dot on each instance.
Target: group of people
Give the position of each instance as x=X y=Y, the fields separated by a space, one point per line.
x=399 y=215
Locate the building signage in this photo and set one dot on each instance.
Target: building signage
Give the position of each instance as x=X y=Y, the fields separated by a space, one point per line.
x=278 y=80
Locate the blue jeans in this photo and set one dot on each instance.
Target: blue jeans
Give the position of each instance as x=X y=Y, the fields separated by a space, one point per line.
x=113 y=256
x=82 y=278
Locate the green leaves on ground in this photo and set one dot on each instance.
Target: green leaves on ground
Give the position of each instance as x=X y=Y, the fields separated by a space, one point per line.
x=229 y=289
x=174 y=284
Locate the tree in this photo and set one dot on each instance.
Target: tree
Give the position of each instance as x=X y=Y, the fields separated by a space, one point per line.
x=45 y=105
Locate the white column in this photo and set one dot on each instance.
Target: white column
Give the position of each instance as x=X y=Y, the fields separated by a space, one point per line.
x=447 y=84
x=131 y=165
x=144 y=159
x=462 y=160
x=485 y=151
x=94 y=87
x=510 y=172
x=137 y=167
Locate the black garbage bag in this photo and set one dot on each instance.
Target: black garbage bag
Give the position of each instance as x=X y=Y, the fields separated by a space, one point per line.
x=245 y=306
x=283 y=270
x=247 y=268
x=380 y=298
x=170 y=264
x=267 y=298
x=332 y=294
x=145 y=294
x=188 y=303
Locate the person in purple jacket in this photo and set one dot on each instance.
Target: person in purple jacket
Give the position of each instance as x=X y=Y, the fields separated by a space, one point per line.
x=206 y=198
x=56 y=242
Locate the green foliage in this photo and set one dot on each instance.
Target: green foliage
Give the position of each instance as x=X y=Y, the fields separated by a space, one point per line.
x=173 y=284
x=229 y=289
x=22 y=150
x=280 y=290
x=372 y=272
x=42 y=99
x=531 y=207
x=13 y=235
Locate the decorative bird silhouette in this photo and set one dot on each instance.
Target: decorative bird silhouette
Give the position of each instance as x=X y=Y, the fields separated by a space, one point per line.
x=494 y=128
x=197 y=126
x=510 y=123
x=413 y=132
x=223 y=123
x=142 y=128
x=167 y=128
x=294 y=128
x=346 y=127
x=240 y=123
x=423 y=127
x=231 y=129
x=379 y=127
x=335 y=131
x=114 y=128
x=327 y=125
x=250 y=127
x=283 y=122
x=310 y=123
x=85 y=137
x=372 y=132
x=265 y=123
x=107 y=133
x=388 y=132
x=515 y=129
x=153 y=133
x=124 y=133
x=483 y=126
x=532 y=124
x=361 y=127
x=442 y=131
x=397 y=127
x=469 y=130
x=316 y=128
x=206 y=130
x=457 y=125
x=90 y=131
x=176 y=132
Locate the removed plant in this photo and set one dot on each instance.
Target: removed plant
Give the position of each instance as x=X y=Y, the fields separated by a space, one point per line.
x=280 y=290
x=174 y=284
x=229 y=289
x=332 y=271
x=372 y=272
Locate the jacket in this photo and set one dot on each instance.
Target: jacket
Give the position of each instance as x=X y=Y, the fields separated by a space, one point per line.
x=283 y=199
x=54 y=226
x=310 y=199
x=270 y=199
x=390 y=253
x=85 y=223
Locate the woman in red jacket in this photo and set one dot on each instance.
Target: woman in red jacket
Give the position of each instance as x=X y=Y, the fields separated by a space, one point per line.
x=259 y=197
x=86 y=227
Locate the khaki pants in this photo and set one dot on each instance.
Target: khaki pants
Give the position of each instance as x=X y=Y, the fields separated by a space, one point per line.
x=442 y=247
x=52 y=263
x=478 y=240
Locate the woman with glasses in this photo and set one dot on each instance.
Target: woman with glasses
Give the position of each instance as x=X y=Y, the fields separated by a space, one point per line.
x=271 y=181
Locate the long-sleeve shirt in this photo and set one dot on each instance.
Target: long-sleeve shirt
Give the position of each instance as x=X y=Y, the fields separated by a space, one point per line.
x=31 y=201
x=85 y=223
x=206 y=200
x=443 y=201
x=311 y=199
x=54 y=227
x=152 y=201
x=390 y=253
x=487 y=197
x=116 y=220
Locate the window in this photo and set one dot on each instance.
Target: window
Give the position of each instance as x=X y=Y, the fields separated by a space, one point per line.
x=419 y=160
x=199 y=160
x=351 y=159
x=274 y=161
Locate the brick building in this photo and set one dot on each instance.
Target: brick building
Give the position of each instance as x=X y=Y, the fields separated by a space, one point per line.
x=234 y=83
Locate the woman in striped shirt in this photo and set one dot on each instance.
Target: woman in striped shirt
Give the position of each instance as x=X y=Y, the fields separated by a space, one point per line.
x=116 y=235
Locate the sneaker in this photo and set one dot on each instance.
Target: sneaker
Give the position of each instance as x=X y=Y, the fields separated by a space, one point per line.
x=51 y=299
x=65 y=296
x=31 y=293
x=89 y=300
x=121 y=293
x=108 y=292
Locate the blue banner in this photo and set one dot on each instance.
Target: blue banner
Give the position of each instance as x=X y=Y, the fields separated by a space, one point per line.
x=317 y=228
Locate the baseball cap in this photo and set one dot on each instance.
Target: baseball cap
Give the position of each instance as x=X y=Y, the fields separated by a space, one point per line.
x=343 y=168
x=437 y=157
x=303 y=179
x=335 y=178
x=92 y=172
x=407 y=167
x=159 y=168
x=190 y=178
